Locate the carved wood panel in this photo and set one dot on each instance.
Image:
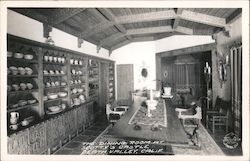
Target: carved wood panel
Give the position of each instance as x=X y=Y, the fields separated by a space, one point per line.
x=37 y=138
x=52 y=132
x=18 y=143
x=80 y=116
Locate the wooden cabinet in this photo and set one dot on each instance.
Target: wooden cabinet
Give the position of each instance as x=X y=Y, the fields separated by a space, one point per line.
x=37 y=138
x=18 y=143
x=54 y=70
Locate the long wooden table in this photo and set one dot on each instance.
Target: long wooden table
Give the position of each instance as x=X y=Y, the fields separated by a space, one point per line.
x=172 y=134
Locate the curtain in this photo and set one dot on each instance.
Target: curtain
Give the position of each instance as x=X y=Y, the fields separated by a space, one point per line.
x=236 y=81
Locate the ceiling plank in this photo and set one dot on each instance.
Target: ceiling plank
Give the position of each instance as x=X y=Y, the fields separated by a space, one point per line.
x=97 y=28
x=62 y=15
x=109 y=15
x=120 y=45
x=177 y=19
x=236 y=14
x=32 y=14
x=203 y=18
x=144 y=17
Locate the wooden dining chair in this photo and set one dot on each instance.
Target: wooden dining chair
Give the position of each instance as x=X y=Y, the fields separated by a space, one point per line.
x=220 y=116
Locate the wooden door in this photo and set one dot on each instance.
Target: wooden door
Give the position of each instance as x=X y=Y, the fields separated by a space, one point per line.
x=125 y=84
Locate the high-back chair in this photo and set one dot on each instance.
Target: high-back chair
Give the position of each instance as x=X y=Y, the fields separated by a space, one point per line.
x=219 y=117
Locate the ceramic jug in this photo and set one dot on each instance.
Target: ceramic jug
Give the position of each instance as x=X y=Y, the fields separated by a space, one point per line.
x=14 y=117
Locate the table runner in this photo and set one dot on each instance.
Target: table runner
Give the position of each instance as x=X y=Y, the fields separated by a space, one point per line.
x=159 y=115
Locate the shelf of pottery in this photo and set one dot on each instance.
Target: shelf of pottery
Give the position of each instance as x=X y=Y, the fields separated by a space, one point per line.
x=111 y=84
x=78 y=79
x=93 y=69
x=55 y=84
x=22 y=85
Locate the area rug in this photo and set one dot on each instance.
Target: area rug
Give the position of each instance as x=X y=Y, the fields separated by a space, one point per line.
x=106 y=144
x=159 y=115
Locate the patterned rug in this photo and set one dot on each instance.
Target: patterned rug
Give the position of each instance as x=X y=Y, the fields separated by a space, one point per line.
x=159 y=115
x=106 y=144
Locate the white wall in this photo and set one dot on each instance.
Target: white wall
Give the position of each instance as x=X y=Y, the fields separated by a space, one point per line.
x=25 y=27
x=144 y=52
x=181 y=41
x=139 y=54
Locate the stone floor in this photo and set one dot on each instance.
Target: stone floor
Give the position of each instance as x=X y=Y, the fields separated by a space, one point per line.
x=74 y=147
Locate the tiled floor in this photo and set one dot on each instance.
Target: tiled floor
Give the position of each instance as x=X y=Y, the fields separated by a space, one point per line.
x=74 y=147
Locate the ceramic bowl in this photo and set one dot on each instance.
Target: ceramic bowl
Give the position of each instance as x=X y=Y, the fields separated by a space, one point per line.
x=48 y=84
x=29 y=85
x=57 y=72
x=13 y=70
x=15 y=87
x=54 y=108
x=46 y=58
x=57 y=83
x=73 y=71
x=79 y=90
x=59 y=59
x=28 y=57
x=25 y=123
x=76 y=62
x=63 y=60
x=63 y=83
x=71 y=61
x=62 y=94
x=63 y=106
x=22 y=102
x=53 y=84
x=9 y=54
x=31 y=101
x=80 y=62
x=18 y=55
x=13 y=127
x=62 y=72
x=55 y=59
x=28 y=70
x=14 y=105
x=50 y=58
x=23 y=86
x=21 y=70
x=52 y=96
x=51 y=72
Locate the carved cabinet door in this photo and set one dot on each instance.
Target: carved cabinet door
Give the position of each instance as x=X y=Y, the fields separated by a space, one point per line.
x=52 y=132
x=37 y=138
x=18 y=143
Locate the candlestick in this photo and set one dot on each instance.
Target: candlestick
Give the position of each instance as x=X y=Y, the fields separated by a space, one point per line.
x=151 y=94
x=209 y=70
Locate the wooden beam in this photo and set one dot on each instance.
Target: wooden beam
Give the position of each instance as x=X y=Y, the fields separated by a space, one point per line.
x=120 y=45
x=140 y=39
x=145 y=17
x=203 y=18
x=194 y=49
x=46 y=30
x=149 y=30
x=177 y=19
x=236 y=14
x=184 y=30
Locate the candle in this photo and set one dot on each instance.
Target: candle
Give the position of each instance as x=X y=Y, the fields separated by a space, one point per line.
x=209 y=70
x=206 y=64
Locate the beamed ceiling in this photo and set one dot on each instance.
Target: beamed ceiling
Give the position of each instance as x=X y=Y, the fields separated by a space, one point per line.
x=112 y=28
